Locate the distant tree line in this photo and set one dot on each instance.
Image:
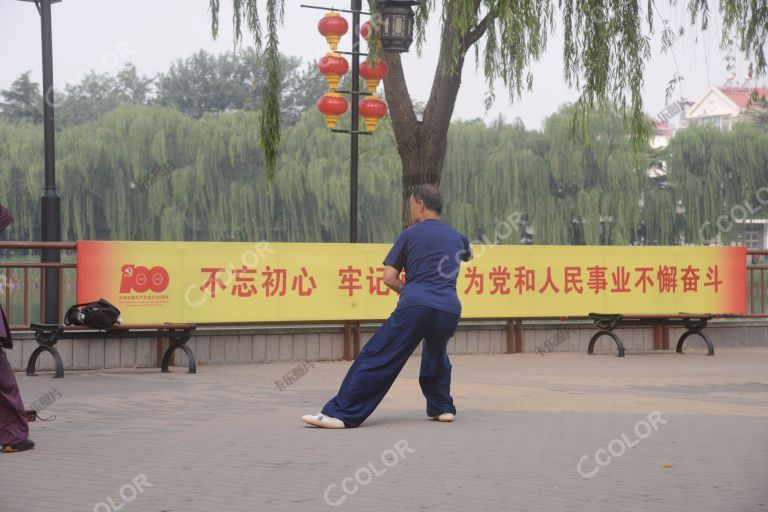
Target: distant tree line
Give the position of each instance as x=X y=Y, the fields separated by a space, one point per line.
x=200 y=84
x=162 y=172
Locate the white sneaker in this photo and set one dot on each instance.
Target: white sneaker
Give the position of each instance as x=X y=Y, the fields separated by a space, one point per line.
x=445 y=417
x=321 y=420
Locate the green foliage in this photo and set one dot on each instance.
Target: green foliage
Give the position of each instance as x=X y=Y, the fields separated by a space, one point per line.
x=98 y=93
x=212 y=83
x=549 y=176
x=247 y=12
x=270 y=111
x=200 y=84
x=714 y=172
x=605 y=47
x=743 y=22
x=206 y=83
x=152 y=173
x=149 y=173
x=604 y=52
x=23 y=101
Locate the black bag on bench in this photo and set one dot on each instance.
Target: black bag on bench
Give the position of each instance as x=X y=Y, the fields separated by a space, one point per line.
x=97 y=315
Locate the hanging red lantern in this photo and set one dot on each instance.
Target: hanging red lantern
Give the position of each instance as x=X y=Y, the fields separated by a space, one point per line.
x=365 y=30
x=372 y=109
x=333 y=66
x=365 y=33
x=373 y=75
x=333 y=26
x=332 y=105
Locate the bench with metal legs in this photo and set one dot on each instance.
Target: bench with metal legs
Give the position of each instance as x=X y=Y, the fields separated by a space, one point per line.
x=607 y=323
x=47 y=335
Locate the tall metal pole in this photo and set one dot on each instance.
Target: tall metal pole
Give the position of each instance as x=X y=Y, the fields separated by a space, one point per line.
x=50 y=206
x=356 y=8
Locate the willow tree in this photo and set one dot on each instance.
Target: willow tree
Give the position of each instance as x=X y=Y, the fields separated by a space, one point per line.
x=152 y=173
x=605 y=46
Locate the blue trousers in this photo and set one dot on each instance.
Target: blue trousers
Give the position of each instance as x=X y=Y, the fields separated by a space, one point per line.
x=381 y=359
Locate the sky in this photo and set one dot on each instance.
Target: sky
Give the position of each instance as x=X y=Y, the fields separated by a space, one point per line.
x=103 y=35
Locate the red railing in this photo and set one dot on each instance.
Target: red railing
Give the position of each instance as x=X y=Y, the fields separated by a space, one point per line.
x=756 y=290
x=19 y=309
x=28 y=276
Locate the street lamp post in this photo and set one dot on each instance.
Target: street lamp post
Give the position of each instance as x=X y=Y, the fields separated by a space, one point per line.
x=50 y=205
x=357 y=6
x=396 y=32
x=331 y=107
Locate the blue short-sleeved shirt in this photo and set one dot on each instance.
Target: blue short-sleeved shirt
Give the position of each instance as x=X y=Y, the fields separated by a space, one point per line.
x=430 y=252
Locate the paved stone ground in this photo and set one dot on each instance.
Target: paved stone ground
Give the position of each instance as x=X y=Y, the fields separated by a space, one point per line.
x=227 y=439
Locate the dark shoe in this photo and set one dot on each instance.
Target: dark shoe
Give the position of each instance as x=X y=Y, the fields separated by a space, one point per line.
x=21 y=446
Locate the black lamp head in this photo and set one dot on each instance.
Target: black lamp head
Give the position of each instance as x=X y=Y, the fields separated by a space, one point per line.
x=397 y=21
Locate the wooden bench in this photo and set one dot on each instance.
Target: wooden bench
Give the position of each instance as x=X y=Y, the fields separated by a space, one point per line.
x=607 y=323
x=47 y=335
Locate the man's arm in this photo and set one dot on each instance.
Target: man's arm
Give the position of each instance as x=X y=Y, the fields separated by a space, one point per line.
x=468 y=255
x=392 y=279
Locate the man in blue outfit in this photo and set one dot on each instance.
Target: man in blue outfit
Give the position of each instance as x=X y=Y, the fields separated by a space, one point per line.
x=428 y=309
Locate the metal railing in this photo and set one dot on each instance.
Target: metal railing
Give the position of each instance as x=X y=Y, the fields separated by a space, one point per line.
x=27 y=276
x=756 y=290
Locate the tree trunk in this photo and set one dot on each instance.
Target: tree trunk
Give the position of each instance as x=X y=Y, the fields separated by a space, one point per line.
x=422 y=143
x=422 y=163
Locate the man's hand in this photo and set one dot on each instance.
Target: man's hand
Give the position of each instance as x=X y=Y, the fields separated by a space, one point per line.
x=392 y=279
